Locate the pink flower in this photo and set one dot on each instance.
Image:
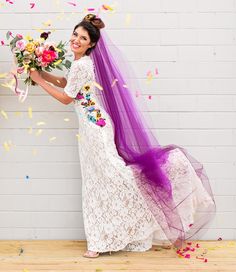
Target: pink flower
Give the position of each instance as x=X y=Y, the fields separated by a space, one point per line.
x=19 y=36
x=39 y=51
x=21 y=45
x=20 y=70
x=49 y=56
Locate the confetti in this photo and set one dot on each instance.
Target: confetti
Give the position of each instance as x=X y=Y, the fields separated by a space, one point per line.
x=125 y=86
x=114 y=82
x=40 y=123
x=98 y=86
x=4 y=114
x=106 y=7
x=9 y=1
x=149 y=97
x=38 y=132
x=78 y=136
x=30 y=112
x=90 y=9
x=34 y=151
x=52 y=139
x=127 y=19
x=47 y=23
x=71 y=3
x=30 y=130
x=32 y=5
x=156 y=71
x=2 y=42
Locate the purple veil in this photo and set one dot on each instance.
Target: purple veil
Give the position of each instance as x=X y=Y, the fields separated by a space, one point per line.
x=138 y=146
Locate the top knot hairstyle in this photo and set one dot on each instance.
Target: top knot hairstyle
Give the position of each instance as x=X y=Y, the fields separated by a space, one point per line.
x=92 y=24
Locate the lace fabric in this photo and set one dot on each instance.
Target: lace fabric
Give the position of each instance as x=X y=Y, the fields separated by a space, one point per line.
x=115 y=213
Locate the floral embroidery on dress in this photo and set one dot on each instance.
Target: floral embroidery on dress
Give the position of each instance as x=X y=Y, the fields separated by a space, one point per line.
x=93 y=112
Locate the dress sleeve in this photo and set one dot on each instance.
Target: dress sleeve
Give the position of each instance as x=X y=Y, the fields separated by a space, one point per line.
x=77 y=78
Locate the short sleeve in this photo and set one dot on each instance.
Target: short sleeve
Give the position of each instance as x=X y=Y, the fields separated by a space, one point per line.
x=80 y=73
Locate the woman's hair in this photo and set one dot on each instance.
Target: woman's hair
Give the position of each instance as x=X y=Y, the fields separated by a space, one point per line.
x=92 y=24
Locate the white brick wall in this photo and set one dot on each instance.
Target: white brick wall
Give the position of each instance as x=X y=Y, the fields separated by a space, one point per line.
x=191 y=42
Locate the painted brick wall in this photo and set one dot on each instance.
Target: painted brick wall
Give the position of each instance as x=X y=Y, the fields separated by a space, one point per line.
x=190 y=42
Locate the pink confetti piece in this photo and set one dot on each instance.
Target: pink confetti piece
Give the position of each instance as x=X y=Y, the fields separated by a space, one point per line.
x=149 y=97
x=205 y=261
x=90 y=9
x=71 y=3
x=197 y=246
x=187 y=256
x=190 y=225
x=2 y=42
x=9 y=1
x=32 y=5
x=156 y=71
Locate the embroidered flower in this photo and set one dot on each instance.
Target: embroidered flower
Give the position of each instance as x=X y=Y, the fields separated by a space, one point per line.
x=93 y=112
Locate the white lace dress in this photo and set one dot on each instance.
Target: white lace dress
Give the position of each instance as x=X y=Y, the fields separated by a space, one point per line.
x=116 y=216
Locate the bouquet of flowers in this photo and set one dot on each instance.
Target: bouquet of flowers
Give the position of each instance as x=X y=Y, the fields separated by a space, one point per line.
x=30 y=54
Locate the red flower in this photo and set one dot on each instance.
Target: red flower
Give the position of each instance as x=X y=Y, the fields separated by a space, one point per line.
x=49 y=56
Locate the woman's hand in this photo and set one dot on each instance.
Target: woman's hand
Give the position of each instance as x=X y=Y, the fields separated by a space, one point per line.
x=35 y=76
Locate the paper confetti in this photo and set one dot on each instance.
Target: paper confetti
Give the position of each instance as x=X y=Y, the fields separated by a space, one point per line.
x=40 y=123
x=71 y=3
x=9 y=1
x=30 y=130
x=127 y=19
x=66 y=119
x=4 y=114
x=52 y=139
x=106 y=7
x=114 y=82
x=38 y=132
x=30 y=112
x=98 y=86
x=32 y=5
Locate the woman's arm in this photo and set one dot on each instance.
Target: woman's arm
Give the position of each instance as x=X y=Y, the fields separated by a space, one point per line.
x=60 y=96
x=55 y=80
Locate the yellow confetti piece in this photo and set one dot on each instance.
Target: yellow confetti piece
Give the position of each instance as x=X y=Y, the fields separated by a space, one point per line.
x=38 y=132
x=98 y=86
x=17 y=113
x=7 y=145
x=30 y=112
x=4 y=114
x=34 y=151
x=40 y=123
x=47 y=23
x=78 y=136
x=114 y=82
x=3 y=75
x=52 y=139
x=127 y=19
x=30 y=130
x=26 y=270
x=66 y=119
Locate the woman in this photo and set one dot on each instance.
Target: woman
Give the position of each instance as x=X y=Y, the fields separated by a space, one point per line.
x=135 y=193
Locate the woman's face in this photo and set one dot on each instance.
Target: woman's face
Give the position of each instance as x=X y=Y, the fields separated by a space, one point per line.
x=80 y=42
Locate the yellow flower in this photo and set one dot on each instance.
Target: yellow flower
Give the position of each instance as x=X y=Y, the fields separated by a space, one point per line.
x=30 y=47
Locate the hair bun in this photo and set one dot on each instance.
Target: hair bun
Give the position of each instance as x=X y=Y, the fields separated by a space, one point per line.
x=94 y=20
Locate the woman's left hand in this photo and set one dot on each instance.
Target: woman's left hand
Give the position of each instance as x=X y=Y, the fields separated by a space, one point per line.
x=35 y=76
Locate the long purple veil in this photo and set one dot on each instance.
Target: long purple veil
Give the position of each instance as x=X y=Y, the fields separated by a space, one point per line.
x=139 y=148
